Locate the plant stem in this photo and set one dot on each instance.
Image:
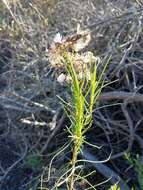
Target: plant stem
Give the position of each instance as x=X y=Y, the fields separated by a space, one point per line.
x=82 y=110
x=73 y=163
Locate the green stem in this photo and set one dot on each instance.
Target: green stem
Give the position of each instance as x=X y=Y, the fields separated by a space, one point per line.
x=73 y=163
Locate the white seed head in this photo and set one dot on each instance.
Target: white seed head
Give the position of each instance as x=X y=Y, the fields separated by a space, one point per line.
x=58 y=38
x=61 y=78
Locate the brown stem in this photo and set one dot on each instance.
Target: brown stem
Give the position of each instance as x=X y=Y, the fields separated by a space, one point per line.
x=121 y=95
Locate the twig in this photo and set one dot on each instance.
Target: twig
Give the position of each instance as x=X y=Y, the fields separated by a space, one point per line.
x=57 y=128
x=15 y=163
x=130 y=125
x=121 y=95
x=104 y=170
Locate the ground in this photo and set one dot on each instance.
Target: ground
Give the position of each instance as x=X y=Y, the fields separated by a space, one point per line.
x=32 y=120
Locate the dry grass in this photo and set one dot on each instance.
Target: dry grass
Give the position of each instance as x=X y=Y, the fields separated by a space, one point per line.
x=31 y=119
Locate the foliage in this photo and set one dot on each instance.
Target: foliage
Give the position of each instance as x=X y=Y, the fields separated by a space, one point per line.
x=84 y=96
x=34 y=161
x=114 y=187
x=138 y=165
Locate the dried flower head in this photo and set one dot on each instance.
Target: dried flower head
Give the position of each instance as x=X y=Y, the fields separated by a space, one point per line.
x=72 y=45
